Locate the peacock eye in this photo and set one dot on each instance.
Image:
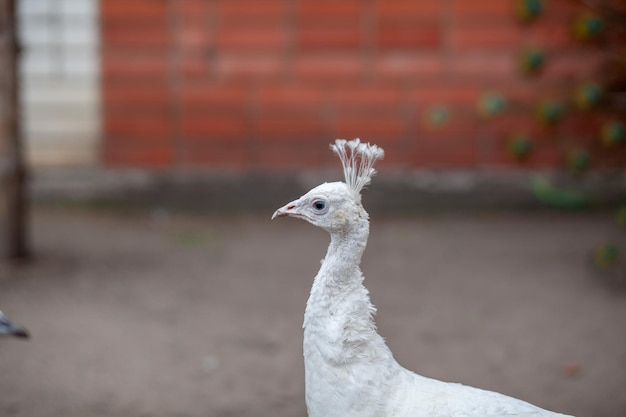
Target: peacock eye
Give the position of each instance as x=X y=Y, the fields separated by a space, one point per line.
x=319 y=206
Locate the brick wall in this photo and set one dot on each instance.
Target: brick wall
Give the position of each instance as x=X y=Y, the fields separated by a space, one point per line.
x=267 y=84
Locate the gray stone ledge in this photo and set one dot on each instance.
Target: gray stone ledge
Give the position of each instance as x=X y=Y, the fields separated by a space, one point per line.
x=263 y=191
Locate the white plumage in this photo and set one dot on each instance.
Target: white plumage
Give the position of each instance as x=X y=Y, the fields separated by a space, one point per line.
x=349 y=370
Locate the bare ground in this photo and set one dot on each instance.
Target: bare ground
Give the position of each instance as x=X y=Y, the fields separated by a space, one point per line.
x=158 y=314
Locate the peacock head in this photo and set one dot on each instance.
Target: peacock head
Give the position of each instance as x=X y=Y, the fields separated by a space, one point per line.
x=331 y=206
x=336 y=206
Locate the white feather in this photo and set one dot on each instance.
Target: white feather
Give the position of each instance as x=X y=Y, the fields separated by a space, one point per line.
x=349 y=370
x=358 y=161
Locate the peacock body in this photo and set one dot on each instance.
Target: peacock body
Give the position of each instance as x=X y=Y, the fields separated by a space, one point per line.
x=349 y=370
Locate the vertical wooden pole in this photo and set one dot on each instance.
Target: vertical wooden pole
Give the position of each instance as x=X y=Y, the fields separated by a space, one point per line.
x=13 y=205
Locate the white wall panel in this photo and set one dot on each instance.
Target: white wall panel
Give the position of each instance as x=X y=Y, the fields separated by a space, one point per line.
x=60 y=81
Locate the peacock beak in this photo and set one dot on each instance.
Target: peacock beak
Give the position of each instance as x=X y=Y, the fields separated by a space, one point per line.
x=289 y=209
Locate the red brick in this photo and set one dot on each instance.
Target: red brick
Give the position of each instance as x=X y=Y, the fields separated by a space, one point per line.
x=582 y=123
x=452 y=156
x=574 y=66
x=195 y=21
x=138 y=156
x=374 y=128
x=408 y=9
x=544 y=155
x=215 y=96
x=379 y=122
x=562 y=10
x=549 y=35
x=131 y=126
x=426 y=35
x=251 y=38
x=328 y=68
x=328 y=38
x=139 y=152
x=194 y=37
x=616 y=36
x=115 y=95
x=134 y=36
x=518 y=92
x=328 y=9
x=290 y=96
x=459 y=130
x=485 y=37
x=205 y=126
x=408 y=66
x=138 y=141
x=142 y=111
x=223 y=156
x=518 y=122
x=446 y=93
x=487 y=66
x=194 y=67
x=216 y=141
x=604 y=157
x=301 y=154
x=291 y=75
x=461 y=125
x=133 y=9
x=368 y=95
x=270 y=12
x=328 y=24
x=248 y=66
x=193 y=7
x=250 y=8
x=397 y=157
x=154 y=67
x=471 y=9
x=285 y=126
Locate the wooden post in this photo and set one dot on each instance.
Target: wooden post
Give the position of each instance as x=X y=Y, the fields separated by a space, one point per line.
x=13 y=205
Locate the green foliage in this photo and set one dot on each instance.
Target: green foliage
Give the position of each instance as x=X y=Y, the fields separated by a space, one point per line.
x=559 y=198
x=491 y=104
x=588 y=26
x=438 y=116
x=520 y=146
x=531 y=61
x=578 y=160
x=606 y=255
x=550 y=111
x=528 y=10
x=613 y=132
x=620 y=216
x=588 y=95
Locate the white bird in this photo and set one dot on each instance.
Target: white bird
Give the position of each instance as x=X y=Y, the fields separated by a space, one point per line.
x=10 y=328
x=349 y=370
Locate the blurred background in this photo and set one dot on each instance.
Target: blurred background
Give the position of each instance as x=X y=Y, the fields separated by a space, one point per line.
x=144 y=96
x=144 y=144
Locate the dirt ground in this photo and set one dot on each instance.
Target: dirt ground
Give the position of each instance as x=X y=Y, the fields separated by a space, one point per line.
x=159 y=314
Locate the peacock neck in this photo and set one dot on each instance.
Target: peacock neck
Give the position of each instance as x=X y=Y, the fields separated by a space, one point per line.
x=341 y=266
x=338 y=322
x=340 y=273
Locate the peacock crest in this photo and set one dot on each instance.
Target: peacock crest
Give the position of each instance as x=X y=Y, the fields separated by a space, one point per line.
x=358 y=161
